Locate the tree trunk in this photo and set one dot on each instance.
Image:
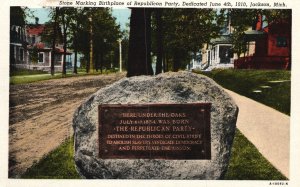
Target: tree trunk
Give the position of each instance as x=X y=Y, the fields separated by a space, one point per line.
x=87 y=66
x=75 y=61
x=65 y=45
x=176 y=60
x=75 y=48
x=53 y=41
x=101 y=61
x=139 y=56
x=159 y=39
x=97 y=61
x=164 y=62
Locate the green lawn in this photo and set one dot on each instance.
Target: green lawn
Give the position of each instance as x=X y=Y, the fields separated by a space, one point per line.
x=58 y=164
x=19 y=72
x=270 y=87
x=246 y=163
x=23 y=78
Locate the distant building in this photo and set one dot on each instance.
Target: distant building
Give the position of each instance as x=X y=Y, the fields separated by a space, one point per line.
x=30 y=52
x=269 y=47
x=218 y=53
x=18 y=44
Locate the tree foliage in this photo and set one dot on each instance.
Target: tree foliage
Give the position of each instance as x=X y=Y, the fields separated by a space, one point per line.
x=242 y=19
x=18 y=15
x=186 y=31
x=177 y=36
x=77 y=27
x=105 y=33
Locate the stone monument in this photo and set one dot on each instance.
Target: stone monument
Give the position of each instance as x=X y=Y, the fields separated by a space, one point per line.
x=170 y=126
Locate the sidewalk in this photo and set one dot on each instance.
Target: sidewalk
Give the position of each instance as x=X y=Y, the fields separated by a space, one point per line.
x=267 y=129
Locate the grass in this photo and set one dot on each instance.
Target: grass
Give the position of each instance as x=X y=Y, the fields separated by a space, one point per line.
x=58 y=164
x=30 y=78
x=20 y=72
x=246 y=163
x=263 y=86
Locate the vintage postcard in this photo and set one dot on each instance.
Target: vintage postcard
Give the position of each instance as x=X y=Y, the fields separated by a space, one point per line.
x=156 y=93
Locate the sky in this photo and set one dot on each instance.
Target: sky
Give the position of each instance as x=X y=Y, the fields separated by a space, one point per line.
x=122 y=15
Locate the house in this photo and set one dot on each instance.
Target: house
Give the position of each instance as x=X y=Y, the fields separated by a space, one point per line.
x=36 y=54
x=17 y=45
x=218 y=53
x=195 y=62
x=269 y=47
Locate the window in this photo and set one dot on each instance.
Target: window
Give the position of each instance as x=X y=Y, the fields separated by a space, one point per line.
x=33 y=39
x=281 y=41
x=41 y=57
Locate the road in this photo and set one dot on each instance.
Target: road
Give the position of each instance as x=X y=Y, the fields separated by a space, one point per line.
x=40 y=116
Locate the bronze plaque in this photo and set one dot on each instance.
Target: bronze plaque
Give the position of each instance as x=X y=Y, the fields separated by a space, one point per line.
x=155 y=131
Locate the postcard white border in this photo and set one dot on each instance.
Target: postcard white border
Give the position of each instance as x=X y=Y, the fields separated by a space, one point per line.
x=294 y=180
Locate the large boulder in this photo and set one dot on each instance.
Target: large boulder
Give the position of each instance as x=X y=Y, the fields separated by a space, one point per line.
x=180 y=87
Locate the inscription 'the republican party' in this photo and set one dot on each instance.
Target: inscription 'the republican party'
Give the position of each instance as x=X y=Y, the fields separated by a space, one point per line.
x=155 y=131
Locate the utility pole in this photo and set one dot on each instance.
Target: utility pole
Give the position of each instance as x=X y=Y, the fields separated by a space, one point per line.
x=120 y=53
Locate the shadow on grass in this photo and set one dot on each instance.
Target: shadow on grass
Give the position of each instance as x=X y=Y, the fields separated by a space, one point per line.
x=58 y=164
x=270 y=87
x=247 y=163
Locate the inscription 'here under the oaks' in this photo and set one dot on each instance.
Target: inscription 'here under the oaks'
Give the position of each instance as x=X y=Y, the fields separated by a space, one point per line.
x=155 y=131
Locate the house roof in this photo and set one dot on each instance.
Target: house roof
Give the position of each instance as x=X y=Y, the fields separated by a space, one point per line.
x=253 y=35
x=60 y=50
x=42 y=47
x=224 y=39
x=253 y=32
x=35 y=29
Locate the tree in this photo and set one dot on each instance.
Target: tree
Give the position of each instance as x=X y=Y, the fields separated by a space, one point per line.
x=242 y=19
x=105 y=35
x=159 y=40
x=83 y=37
x=54 y=36
x=34 y=54
x=66 y=18
x=186 y=31
x=125 y=46
x=17 y=15
x=139 y=52
x=62 y=20
x=77 y=19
